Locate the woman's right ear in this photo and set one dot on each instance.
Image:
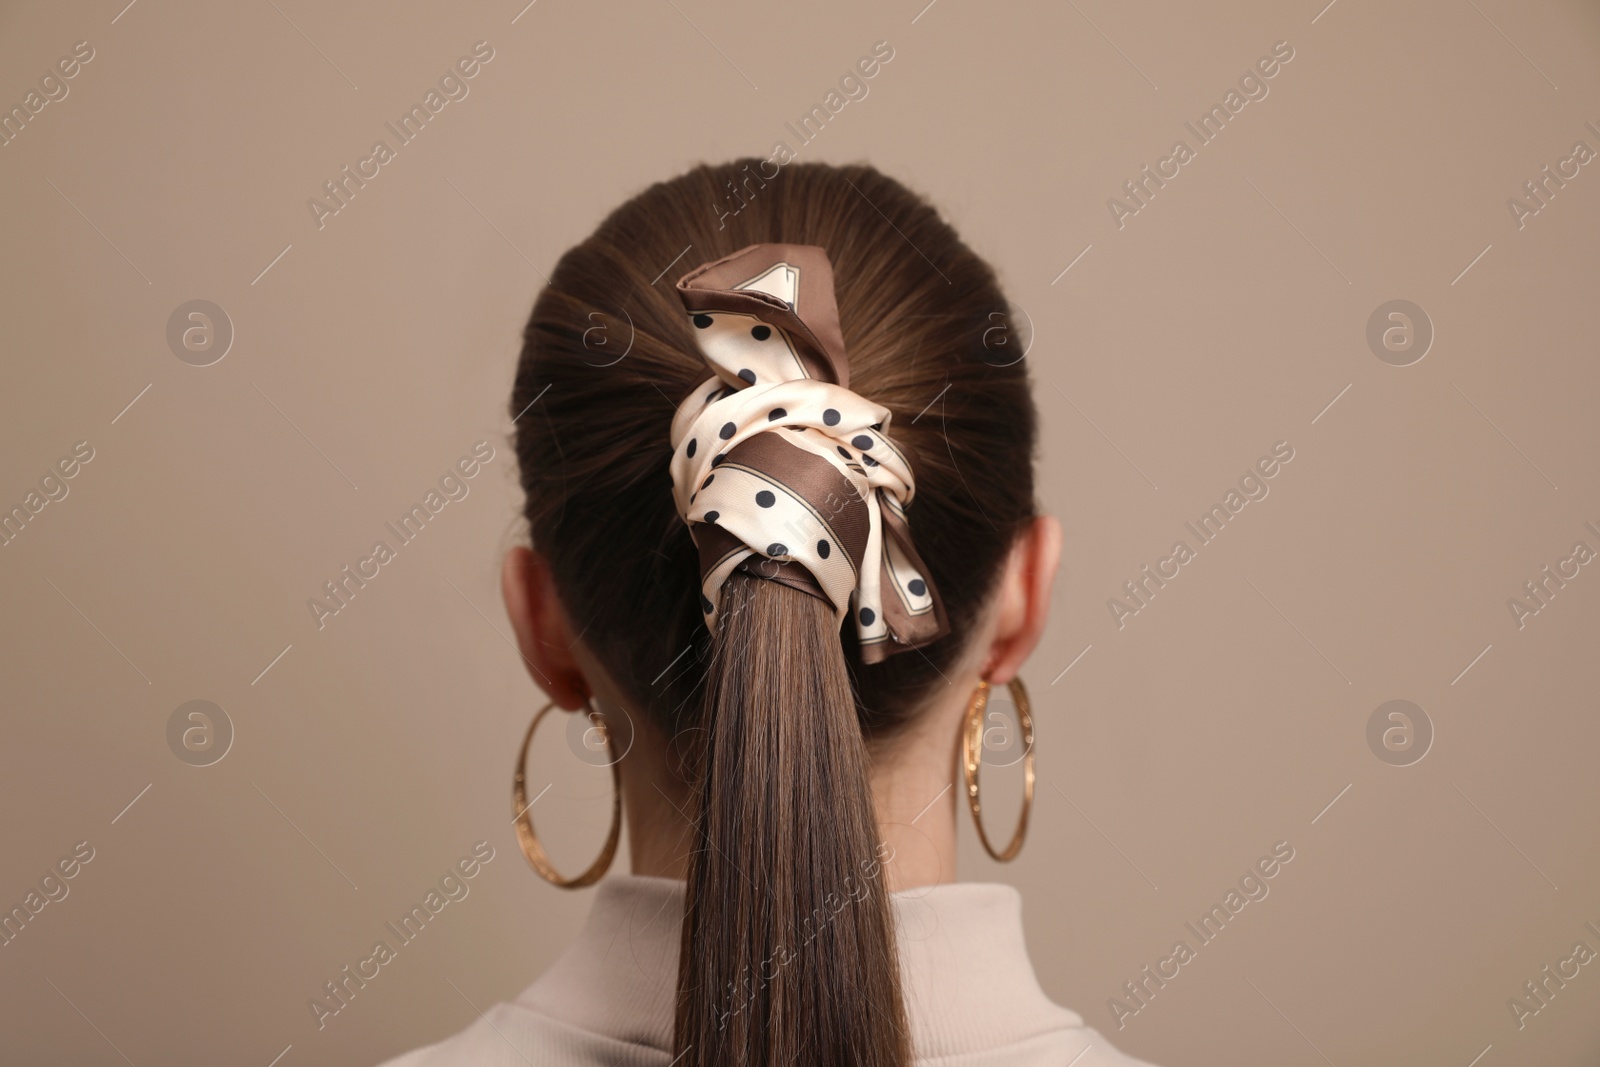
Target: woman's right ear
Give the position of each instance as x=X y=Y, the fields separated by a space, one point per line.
x=543 y=636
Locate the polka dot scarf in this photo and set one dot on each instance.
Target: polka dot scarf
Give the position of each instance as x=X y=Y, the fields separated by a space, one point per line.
x=779 y=469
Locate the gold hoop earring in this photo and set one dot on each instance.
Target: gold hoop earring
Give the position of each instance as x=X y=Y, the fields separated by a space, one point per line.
x=972 y=758
x=528 y=839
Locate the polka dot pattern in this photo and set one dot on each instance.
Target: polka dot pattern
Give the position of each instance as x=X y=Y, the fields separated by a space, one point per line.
x=757 y=498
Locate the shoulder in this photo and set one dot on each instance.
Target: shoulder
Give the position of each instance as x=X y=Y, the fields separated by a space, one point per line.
x=1068 y=1046
x=510 y=1035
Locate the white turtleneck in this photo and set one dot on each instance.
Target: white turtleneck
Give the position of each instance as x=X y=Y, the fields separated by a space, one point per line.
x=971 y=994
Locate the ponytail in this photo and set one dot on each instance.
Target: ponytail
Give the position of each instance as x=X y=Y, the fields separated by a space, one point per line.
x=788 y=941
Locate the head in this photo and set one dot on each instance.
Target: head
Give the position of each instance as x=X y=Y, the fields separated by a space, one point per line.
x=770 y=733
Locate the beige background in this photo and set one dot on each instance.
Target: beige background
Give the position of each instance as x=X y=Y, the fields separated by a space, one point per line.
x=1224 y=317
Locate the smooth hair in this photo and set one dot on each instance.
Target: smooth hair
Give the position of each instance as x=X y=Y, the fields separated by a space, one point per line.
x=788 y=948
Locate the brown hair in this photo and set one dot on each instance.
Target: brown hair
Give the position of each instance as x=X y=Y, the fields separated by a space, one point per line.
x=788 y=944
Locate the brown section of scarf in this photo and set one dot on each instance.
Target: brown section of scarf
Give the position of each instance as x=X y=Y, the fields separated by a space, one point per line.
x=817 y=336
x=809 y=477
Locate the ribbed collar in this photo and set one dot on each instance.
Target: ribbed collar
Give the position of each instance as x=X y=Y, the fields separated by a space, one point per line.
x=968 y=982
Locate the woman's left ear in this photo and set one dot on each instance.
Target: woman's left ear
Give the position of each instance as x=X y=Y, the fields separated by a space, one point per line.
x=1024 y=598
x=540 y=622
